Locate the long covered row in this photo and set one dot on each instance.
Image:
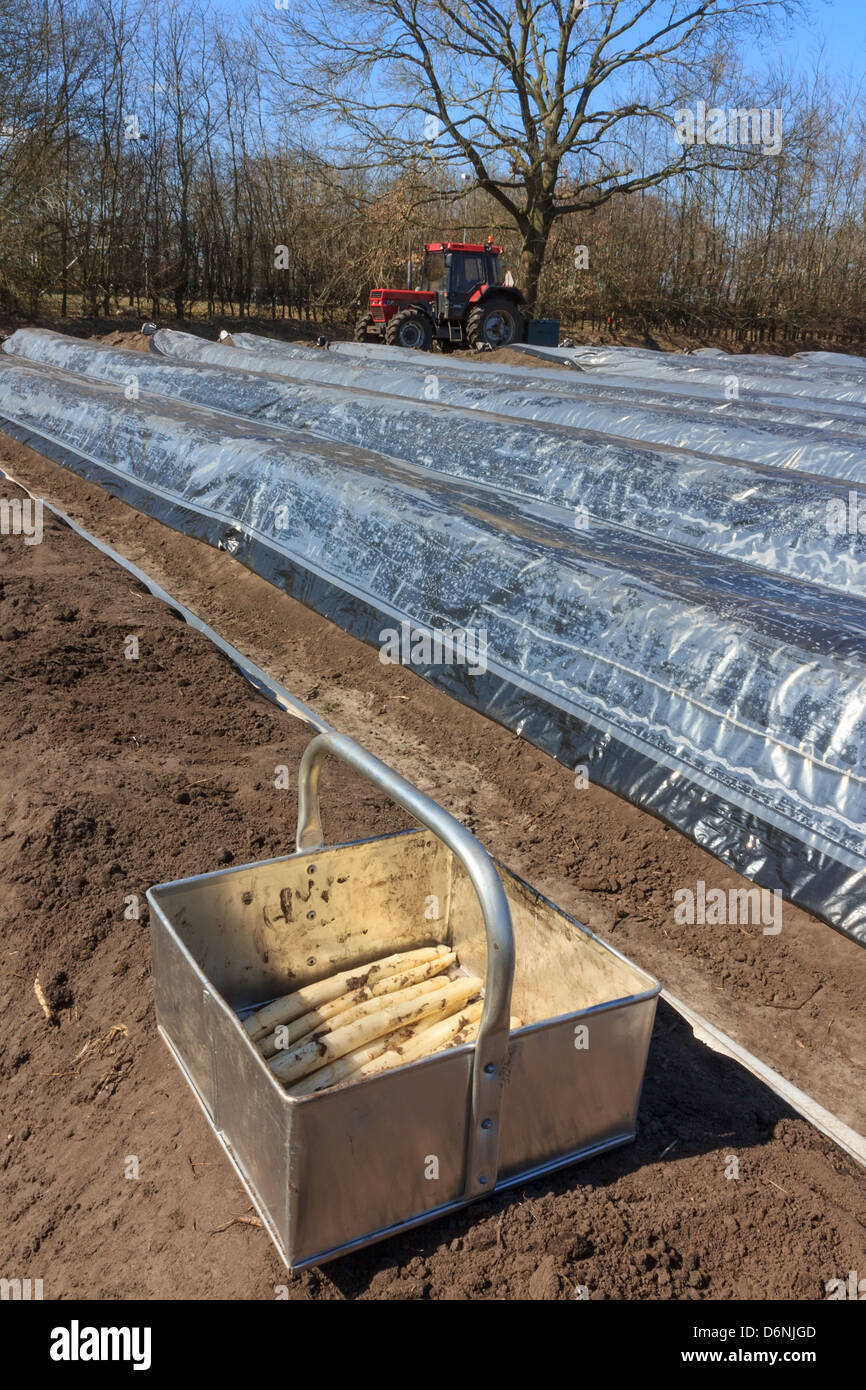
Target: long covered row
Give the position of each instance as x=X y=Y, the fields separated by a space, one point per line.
x=822 y=437
x=727 y=699
x=769 y=519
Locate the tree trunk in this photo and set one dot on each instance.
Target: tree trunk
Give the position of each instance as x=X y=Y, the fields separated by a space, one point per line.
x=64 y=260
x=535 y=238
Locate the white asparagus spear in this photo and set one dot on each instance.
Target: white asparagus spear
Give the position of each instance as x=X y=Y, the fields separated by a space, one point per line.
x=429 y=1037
x=345 y=1067
x=395 y=1013
x=292 y=1006
x=324 y=1018
x=397 y=1049
x=424 y=1041
x=364 y=1010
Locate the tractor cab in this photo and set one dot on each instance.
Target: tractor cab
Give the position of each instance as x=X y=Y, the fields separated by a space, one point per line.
x=456 y=267
x=460 y=302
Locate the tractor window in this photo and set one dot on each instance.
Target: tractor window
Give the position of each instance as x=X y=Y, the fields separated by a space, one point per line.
x=434 y=272
x=494 y=276
x=466 y=272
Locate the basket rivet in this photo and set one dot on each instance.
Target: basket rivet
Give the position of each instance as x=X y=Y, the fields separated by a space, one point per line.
x=311 y=960
x=482 y=1179
x=489 y=1069
x=311 y=868
x=486 y=1124
x=310 y=916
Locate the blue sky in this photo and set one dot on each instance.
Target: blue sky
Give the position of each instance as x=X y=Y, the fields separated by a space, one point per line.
x=842 y=23
x=839 y=24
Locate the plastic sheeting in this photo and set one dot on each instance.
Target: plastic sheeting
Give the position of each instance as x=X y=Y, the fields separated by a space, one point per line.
x=835 y=360
x=727 y=700
x=780 y=436
x=772 y=376
x=582 y=480
x=773 y=383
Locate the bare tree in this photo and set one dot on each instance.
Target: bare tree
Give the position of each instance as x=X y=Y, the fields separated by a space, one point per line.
x=141 y=153
x=539 y=98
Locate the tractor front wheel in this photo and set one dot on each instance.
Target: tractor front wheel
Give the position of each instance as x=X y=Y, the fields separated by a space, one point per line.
x=411 y=328
x=362 y=332
x=496 y=321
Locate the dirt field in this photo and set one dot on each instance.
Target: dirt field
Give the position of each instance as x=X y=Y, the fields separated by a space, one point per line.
x=123 y=331
x=121 y=773
x=794 y=999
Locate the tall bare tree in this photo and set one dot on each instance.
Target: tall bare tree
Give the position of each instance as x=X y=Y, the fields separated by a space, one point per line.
x=540 y=99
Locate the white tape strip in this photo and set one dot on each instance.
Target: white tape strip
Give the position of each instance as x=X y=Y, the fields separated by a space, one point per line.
x=706 y=1032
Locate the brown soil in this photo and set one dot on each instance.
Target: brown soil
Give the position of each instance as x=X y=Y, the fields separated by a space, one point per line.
x=123 y=773
x=124 y=331
x=794 y=999
x=513 y=357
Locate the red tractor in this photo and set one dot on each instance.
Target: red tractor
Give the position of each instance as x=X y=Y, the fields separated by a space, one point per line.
x=461 y=302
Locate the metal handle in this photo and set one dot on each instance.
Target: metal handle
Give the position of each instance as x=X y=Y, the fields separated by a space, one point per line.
x=491 y=1047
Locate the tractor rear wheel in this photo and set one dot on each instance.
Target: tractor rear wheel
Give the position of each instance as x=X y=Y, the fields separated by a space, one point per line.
x=411 y=328
x=495 y=321
x=362 y=332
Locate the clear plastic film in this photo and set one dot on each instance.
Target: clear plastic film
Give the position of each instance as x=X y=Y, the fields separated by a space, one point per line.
x=757 y=374
x=721 y=695
x=786 y=433
x=578 y=478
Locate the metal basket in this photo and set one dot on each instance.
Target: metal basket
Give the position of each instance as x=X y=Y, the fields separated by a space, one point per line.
x=336 y=1170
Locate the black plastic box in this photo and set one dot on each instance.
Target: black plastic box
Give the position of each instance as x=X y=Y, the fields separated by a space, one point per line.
x=543 y=332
